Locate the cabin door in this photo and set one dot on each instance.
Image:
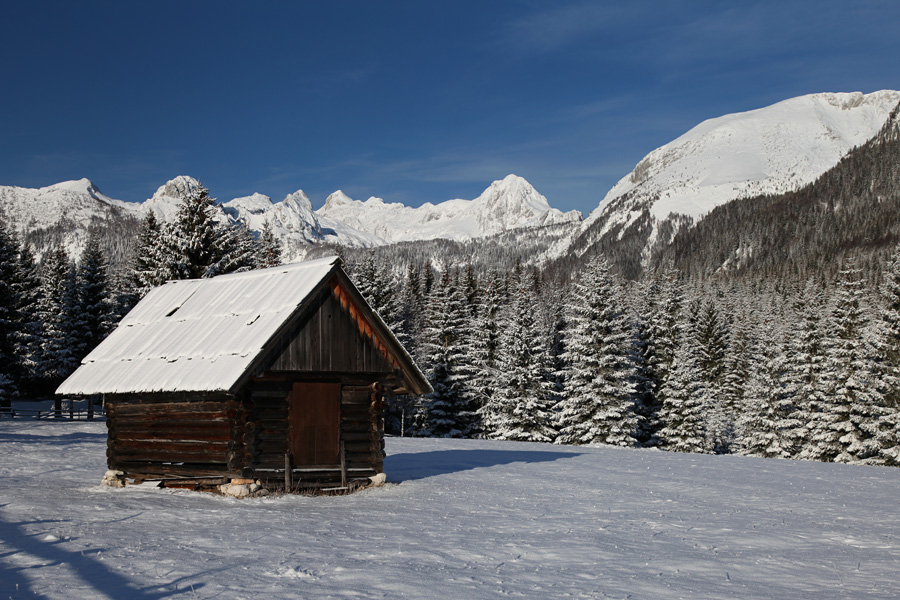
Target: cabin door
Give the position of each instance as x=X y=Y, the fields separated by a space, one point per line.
x=315 y=424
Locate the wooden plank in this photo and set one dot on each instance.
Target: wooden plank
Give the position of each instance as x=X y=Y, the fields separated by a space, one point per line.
x=198 y=470
x=357 y=437
x=169 y=407
x=170 y=446
x=180 y=435
x=180 y=456
x=173 y=425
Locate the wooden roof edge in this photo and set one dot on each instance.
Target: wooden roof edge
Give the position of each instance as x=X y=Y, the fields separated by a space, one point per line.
x=416 y=382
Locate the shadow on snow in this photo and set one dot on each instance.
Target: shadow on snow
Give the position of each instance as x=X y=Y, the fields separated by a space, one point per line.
x=17 y=544
x=419 y=465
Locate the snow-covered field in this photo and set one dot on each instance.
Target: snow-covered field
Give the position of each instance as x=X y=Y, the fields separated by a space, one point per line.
x=462 y=519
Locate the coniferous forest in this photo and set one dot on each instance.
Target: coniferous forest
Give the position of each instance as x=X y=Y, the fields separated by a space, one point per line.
x=772 y=328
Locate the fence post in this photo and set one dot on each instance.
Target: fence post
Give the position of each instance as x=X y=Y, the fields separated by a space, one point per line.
x=288 y=484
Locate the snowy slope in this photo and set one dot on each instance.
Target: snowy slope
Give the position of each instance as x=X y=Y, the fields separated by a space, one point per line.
x=506 y=204
x=770 y=150
x=463 y=519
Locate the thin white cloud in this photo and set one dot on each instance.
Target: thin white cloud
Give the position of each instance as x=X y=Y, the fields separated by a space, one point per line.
x=547 y=30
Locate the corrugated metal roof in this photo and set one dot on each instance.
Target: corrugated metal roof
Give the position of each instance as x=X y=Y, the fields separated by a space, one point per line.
x=197 y=335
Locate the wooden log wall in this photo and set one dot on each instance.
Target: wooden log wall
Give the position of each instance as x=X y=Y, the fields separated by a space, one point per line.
x=362 y=429
x=172 y=434
x=207 y=435
x=266 y=429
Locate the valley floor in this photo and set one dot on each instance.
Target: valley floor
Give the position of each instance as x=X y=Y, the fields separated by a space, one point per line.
x=461 y=519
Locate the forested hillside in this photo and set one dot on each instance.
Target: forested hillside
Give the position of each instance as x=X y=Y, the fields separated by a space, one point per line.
x=852 y=210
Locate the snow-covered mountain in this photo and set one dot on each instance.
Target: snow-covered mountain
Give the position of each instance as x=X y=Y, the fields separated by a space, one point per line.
x=506 y=204
x=63 y=211
x=771 y=150
x=80 y=201
x=509 y=203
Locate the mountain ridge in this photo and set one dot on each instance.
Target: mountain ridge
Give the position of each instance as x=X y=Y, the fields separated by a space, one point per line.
x=771 y=150
x=506 y=204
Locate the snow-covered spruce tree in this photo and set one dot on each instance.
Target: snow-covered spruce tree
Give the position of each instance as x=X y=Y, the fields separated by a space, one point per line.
x=27 y=341
x=598 y=393
x=149 y=267
x=236 y=250
x=889 y=331
x=738 y=367
x=855 y=406
x=197 y=245
x=412 y=309
x=806 y=386
x=485 y=338
x=93 y=305
x=712 y=338
x=521 y=406
x=9 y=314
x=192 y=241
x=447 y=411
x=889 y=359
x=762 y=426
x=471 y=290
x=644 y=383
x=60 y=348
x=270 y=251
x=685 y=398
x=660 y=317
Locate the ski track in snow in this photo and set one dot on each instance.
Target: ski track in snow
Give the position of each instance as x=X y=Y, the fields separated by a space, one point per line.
x=461 y=519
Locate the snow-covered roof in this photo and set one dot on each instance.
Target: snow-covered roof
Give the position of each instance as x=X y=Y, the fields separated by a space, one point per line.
x=198 y=335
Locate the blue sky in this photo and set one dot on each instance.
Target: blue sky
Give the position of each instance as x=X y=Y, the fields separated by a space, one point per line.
x=409 y=101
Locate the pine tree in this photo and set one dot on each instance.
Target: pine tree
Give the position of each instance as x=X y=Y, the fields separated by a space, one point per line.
x=485 y=339
x=193 y=239
x=448 y=411
x=149 y=267
x=712 y=338
x=521 y=406
x=27 y=342
x=59 y=346
x=237 y=251
x=659 y=338
x=94 y=318
x=685 y=396
x=270 y=251
x=889 y=360
x=763 y=426
x=412 y=309
x=598 y=398
x=739 y=369
x=806 y=376
x=9 y=314
x=848 y=431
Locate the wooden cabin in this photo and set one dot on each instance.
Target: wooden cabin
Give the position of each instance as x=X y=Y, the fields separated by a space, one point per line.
x=276 y=376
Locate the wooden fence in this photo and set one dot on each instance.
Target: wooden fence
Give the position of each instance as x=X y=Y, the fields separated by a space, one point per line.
x=68 y=410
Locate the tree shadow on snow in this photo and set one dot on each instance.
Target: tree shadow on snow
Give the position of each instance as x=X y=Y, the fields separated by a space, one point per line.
x=23 y=555
x=419 y=465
